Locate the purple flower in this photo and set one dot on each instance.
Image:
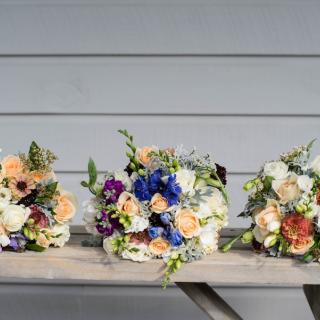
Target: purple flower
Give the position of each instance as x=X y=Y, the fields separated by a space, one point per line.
x=106 y=224
x=112 y=190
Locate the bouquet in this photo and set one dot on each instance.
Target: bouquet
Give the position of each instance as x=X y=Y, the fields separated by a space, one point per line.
x=33 y=206
x=167 y=203
x=284 y=206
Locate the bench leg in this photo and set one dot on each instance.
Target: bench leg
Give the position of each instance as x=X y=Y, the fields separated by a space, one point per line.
x=312 y=293
x=208 y=301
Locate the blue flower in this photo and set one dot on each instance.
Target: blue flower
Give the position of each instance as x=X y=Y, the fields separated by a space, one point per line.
x=174 y=237
x=155 y=183
x=141 y=190
x=165 y=218
x=155 y=232
x=172 y=190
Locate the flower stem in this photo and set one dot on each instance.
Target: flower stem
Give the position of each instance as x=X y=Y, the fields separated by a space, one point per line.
x=228 y=245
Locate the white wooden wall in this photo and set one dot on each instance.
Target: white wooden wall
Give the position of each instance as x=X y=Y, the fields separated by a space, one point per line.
x=237 y=78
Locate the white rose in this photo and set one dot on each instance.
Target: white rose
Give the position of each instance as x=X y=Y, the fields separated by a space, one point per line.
x=305 y=183
x=186 y=179
x=138 y=224
x=14 y=217
x=124 y=178
x=276 y=169
x=207 y=235
x=259 y=234
x=140 y=255
x=315 y=165
x=64 y=235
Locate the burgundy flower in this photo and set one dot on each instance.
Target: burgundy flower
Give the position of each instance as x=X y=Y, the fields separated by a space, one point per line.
x=39 y=217
x=222 y=173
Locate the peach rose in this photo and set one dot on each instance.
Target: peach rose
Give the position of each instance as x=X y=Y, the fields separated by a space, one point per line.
x=11 y=166
x=38 y=176
x=286 y=189
x=66 y=208
x=159 y=246
x=301 y=247
x=143 y=155
x=158 y=203
x=128 y=204
x=269 y=218
x=187 y=222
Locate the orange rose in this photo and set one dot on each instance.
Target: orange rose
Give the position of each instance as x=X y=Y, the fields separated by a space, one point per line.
x=38 y=176
x=66 y=208
x=159 y=246
x=128 y=204
x=158 y=203
x=11 y=166
x=301 y=247
x=187 y=222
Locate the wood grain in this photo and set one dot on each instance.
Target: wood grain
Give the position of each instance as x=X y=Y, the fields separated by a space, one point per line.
x=160 y=85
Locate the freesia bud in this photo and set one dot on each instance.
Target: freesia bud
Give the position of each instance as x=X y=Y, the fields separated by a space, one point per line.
x=247 y=237
x=270 y=240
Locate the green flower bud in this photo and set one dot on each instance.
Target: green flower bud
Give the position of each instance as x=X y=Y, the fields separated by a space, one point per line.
x=200 y=182
x=174 y=255
x=308 y=214
x=132 y=166
x=172 y=170
x=299 y=208
x=247 y=237
x=248 y=185
x=175 y=163
x=141 y=172
x=178 y=264
x=213 y=182
x=205 y=175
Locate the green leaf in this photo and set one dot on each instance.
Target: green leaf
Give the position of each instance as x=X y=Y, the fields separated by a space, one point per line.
x=92 y=173
x=35 y=247
x=267 y=183
x=48 y=192
x=84 y=184
x=310 y=144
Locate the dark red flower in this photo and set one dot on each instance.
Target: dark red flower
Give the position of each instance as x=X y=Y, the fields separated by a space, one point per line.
x=39 y=217
x=296 y=228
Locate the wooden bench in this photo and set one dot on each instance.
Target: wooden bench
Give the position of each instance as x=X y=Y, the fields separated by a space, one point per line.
x=238 y=267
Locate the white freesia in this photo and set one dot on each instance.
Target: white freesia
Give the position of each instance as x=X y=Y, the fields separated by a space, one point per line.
x=63 y=233
x=204 y=211
x=124 y=178
x=138 y=224
x=137 y=252
x=259 y=234
x=186 y=179
x=14 y=217
x=315 y=165
x=305 y=183
x=208 y=235
x=276 y=169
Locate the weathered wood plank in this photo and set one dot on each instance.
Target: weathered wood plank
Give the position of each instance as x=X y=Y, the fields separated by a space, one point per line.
x=208 y=301
x=240 y=267
x=159 y=27
x=160 y=85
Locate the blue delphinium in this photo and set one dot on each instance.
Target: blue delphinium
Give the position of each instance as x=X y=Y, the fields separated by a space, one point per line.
x=172 y=190
x=165 y=218
x=141 y=189
x=155 y=182
x=173 y=236
x=155 y=232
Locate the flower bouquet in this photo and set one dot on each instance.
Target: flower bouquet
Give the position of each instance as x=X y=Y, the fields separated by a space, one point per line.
x=33 y=207
x=167 y=203
x=284 y=206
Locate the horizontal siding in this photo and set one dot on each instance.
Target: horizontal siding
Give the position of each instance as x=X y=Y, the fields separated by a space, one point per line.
x=71 y=182
x=102 y=302
x=158 y=85
x=160 y=27
x=240 y=143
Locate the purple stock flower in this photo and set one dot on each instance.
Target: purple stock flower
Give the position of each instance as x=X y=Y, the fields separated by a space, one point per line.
x=112 y=190
x=106 y=224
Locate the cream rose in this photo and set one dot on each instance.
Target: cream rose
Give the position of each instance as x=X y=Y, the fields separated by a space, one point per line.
x=143 y=155
x=66 y=207
x=42 y=241
x=187 y=223
x=158 y=203
x=276 y=169
x=286 y=189
x=4 y=239
x=315 y=165
x=159 y=246
x=186 y=179
x=129 y=204
x=63 y=233
x=269 y=219
x=302 y=247
x=11 y=166
x=14 y=217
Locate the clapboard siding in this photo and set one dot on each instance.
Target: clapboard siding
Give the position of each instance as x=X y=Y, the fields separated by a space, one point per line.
x=71 y=182
x=160 y=27
x=160 y=85
x=241 y=143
